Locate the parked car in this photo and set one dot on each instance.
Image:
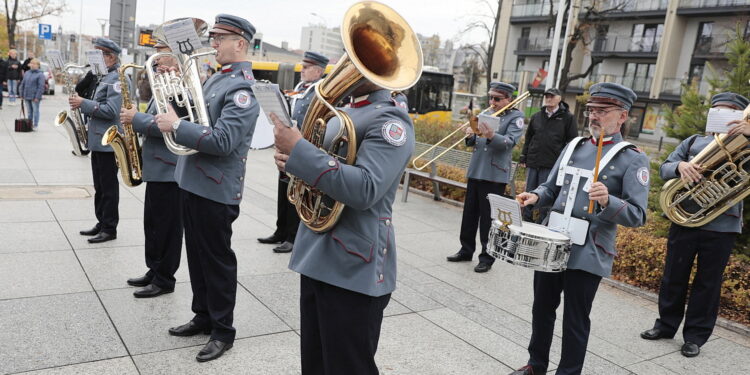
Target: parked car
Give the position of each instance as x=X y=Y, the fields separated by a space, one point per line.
x=49 y=87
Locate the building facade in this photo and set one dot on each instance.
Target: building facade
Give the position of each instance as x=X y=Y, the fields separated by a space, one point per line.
x=651 y=46
x=323 y=40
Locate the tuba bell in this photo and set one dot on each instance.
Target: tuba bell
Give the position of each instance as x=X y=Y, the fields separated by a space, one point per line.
x=72 y=120
x=184 y=89
x=380 y=47
x=725 y=163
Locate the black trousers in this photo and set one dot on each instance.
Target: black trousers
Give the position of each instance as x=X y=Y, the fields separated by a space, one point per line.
x=162 y=227
x=477 y=214
x=579 y=288
x=212 y=263
x=340 y=329
x=107 y=191
x=713 y=250
x=287 y=220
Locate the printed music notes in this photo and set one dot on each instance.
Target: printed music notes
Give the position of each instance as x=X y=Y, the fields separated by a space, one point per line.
x=271 y=100
x=182 y=37
x=55 y=58
x=95 y=58
x=505 y=205
x=719 y=117
x=492 y=122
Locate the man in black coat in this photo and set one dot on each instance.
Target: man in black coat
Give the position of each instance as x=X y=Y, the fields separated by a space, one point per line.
x=547 y=134
x=3 y=78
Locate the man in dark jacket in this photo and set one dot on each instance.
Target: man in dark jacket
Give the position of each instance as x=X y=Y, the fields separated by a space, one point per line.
x=549 y=131
x=3 y=78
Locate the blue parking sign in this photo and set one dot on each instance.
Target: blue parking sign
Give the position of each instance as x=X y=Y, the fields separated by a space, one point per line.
x=45 y=31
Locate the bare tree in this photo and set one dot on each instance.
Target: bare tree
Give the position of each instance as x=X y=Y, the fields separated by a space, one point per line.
x=19 y=11
x=488 y=25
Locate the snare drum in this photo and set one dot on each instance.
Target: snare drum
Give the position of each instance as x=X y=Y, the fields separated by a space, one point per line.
x=531 y=245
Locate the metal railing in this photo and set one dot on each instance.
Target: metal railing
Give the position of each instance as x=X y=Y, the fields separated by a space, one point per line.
x=532 y=10
x=675 y=86
x=511 y=76
x=535 y=44
x=711 y=45
x=627 y=44
x=616 y=6
x=712 y=3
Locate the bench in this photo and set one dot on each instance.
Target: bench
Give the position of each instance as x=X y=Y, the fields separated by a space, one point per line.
x=456 y=158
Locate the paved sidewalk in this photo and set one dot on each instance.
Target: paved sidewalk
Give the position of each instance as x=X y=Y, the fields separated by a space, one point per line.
x=65 y=307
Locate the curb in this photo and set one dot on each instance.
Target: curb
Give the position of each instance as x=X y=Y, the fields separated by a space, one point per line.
x=653 y=297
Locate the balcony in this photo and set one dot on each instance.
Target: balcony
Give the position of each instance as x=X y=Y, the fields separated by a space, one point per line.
x=640 y=85
x=535 y=46
x=624 y=9
x=530 y=13
x=511 y=76
x=711 y=47
x=626 y=46
x=707 y=8
x=674 y=87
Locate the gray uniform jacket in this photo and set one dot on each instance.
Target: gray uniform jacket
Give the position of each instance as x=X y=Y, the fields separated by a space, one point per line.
x=299 y=106
x=217 y=170
x=104 y=109
x=158 y=162
x=359 y=253
x=731 y=220
x=491 y=158
x=627 y=180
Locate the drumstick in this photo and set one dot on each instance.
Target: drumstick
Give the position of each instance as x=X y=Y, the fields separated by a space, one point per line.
x=596 y=166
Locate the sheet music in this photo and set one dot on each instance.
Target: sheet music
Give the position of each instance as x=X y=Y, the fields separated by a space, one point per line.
x=95 y=58
x=271 y=100
x=55 y=58
x=719 y=117
x=182 y=37
x=499 y=203
x=493 y=122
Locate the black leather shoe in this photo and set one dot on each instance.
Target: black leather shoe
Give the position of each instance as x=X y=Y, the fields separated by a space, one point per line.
x=525 y=370
x=189 y=329
x=286 y=247
x=274 y=238
x=482 y=267
x=151 y=290
x=90 y=232
x=459 y=257
x=690 y=349
x=102 y=237
x=140 y=281
x=214 y=349
x=654 y=334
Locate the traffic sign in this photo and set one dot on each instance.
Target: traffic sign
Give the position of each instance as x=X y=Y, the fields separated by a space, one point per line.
x=45 y=31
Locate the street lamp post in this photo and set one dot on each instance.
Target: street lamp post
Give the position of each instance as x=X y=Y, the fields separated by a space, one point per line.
x=325 y=24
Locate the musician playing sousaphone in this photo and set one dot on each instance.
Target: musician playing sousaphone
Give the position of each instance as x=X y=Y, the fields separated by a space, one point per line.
x=711 y=242
x=620 y=197
x=162 y=211
x=488 y=173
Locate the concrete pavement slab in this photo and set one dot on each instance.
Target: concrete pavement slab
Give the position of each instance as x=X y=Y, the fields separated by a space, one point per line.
x=717 y=357
x=83 y=209
x=254 y=258
x=270 y=354
x=143 y=323
x=62 y=177
x=28 y=237
x=41 y=273
x=117 y=366
x=649 y=368
x=24 y=211
x=129 y=233
x=43 y=332
x=16 y=176
x=413 y=300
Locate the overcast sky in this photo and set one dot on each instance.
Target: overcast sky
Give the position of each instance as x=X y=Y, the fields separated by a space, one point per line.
x=282 y=20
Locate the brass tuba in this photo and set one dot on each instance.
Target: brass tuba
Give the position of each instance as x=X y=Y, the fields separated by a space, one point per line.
x=126 y=146
x=184 y=88
x=726 y=170
x=72 y=120
x=380 y=47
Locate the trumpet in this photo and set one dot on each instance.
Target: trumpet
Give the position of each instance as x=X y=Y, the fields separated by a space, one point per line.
x=473 y=123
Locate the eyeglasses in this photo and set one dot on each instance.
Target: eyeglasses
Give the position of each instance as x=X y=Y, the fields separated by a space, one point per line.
x=497 y=98
x=598 y=112
x=218 y=39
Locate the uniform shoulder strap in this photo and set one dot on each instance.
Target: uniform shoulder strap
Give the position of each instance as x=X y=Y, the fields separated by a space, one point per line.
x=612 y=153
x=566 y=156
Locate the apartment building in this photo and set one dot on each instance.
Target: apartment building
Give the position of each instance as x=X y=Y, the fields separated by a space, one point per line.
x=651 y=46
x=323 y=40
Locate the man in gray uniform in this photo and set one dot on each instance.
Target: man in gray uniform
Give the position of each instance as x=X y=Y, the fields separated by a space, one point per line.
x=711 y=243
x=212 y=181
x=162 y=208
x=488 y=173
x=103 y=111
x=348 y=273
x=620 y=197
x=287 y=221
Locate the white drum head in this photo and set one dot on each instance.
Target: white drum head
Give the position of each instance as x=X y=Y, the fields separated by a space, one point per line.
x=541 y=231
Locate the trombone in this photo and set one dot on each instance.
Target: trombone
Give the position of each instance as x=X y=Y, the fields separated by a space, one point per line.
x=473 y=123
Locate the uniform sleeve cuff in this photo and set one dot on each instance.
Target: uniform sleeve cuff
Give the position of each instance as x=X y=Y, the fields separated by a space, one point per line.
x=190 y=135
x=89 y=106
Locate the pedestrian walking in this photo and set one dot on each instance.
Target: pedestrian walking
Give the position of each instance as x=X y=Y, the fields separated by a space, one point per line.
x=31 y=90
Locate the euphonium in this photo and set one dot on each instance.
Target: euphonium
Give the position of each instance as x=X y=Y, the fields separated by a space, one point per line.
x=126 y=146
x=72 y=119
x=725 y=163
x=380 y=47
x=184 y=88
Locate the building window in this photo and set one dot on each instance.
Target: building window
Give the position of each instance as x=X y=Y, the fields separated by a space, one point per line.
x=696 y=73
x=646 y=37
x=601 y=37
x=638 y=76
x=520 y=64
x=705 y=32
